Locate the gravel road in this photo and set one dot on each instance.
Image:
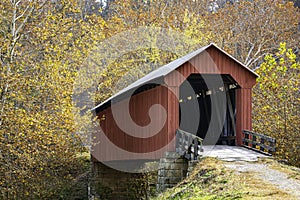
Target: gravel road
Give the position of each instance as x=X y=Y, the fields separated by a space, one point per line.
x=264 y=172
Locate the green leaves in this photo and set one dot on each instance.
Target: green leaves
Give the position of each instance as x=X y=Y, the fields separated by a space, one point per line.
x=276 y=101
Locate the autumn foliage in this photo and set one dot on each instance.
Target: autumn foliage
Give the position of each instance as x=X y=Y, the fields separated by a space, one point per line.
x=44 y=44
x=42 y=48
x=276 y=102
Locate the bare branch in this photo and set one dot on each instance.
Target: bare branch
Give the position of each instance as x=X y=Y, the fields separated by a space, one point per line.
x=25 y=20
x=17 y=3
x=17 y=18
x=249 y=53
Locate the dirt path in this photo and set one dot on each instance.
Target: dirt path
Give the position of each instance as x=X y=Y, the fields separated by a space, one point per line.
x=244 y=161
x=263 y=171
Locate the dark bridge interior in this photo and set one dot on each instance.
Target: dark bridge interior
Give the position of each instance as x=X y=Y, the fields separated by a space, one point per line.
x=207 y=107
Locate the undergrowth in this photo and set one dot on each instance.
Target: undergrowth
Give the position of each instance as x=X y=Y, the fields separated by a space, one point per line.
x=211 y=180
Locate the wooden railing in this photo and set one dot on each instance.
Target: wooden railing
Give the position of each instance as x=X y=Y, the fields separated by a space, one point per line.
x=188 y=145
x=259 y=142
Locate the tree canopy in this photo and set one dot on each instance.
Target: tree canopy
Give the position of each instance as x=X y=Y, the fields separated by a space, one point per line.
x=276 y=102
x=45 y=44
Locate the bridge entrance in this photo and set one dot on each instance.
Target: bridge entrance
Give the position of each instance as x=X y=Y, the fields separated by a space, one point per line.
x=209 y=111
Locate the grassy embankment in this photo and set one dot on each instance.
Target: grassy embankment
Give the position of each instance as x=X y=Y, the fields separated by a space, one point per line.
x=212 y=180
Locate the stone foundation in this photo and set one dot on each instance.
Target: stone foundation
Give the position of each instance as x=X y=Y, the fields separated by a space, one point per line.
x=110 y=184
x=171 y=170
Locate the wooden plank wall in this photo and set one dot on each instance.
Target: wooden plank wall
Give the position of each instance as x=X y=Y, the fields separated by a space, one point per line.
x=123 y=140
x=114 y=138
x=214 y=61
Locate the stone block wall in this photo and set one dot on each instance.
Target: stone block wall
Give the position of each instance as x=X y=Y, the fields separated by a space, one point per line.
x=107 y=183
x=171 y=170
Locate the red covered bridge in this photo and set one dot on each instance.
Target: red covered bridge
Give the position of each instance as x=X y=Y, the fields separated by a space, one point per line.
x=206 y=93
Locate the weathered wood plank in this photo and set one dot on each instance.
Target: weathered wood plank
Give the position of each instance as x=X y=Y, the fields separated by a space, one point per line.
x=259 y=142
x=188 y=145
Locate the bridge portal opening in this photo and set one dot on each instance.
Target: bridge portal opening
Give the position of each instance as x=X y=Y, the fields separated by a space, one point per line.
x=207 y=107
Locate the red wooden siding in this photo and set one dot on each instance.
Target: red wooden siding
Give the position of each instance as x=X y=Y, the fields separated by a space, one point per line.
x=120 y=134
x=243 y=112
x=211 y=61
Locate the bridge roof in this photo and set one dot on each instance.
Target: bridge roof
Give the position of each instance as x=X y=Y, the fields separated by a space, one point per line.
x=159 y=74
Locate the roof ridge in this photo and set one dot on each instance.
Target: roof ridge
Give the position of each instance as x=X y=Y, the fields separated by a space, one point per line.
x=165 y=70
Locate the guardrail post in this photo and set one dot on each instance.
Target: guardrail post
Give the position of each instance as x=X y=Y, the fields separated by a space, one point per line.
x=247 y=138
x=188 y=145
x=265 y=143
x=262 y=141
x=254 y=141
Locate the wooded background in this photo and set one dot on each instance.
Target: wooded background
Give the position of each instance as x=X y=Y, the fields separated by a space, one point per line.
x=43 y=45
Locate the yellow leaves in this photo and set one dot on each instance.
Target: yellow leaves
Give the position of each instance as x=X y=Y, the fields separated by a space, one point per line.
x=186 y=18
x=37 y=120
x=281 y=61
x=291 y=56
x=282 y=48
x=276 y=101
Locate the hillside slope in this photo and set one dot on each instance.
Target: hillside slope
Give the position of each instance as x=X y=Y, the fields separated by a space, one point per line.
x=216 y=179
